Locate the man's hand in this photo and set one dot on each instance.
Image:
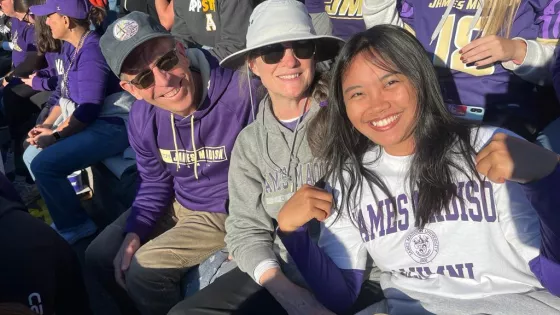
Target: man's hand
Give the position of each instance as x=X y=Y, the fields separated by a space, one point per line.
x=490 y=49
x=121 y=263
x=514 y=159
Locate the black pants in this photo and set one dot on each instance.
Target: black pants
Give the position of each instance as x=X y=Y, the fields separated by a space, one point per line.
x=38 y=268
x=237 y=293
x=22 y=105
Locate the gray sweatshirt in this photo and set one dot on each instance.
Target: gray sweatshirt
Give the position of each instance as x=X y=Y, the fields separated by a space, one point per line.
x=263 y=175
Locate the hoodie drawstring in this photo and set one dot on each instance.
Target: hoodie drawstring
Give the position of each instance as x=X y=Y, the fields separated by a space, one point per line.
x=476 y=17
x=294 y=141
x=175 y=142
x=194 y=149
x=177 y=147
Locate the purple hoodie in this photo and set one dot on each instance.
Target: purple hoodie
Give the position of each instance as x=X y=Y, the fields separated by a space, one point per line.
x=23 y=38
x=345 y=15
x=47 y=79
x=169 y=169
x=89 y=80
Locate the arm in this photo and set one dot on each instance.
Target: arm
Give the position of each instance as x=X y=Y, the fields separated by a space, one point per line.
x=545 y=199
x=249 y=228
x=155 y=190
x=92 y=77
x=165 y=13
x=234 y=20
x=45 y=80
x=537 y=63
x=333 y=269
x=381 y=12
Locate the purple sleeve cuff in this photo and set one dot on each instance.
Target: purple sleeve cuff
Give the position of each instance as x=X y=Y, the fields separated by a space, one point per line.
x=37 y=83
x=548 y=273
x=335 y=288
x=137 y=225
x=87 y=113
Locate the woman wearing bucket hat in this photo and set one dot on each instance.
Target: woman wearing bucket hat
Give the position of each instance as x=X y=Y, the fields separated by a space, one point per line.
x=272 y=169
x=79 y=130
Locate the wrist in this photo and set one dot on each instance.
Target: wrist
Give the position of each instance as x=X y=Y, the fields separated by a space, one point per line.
x=520 y=51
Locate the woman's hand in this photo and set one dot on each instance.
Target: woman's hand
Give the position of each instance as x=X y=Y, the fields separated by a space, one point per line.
x=29 y=80
x=490 y=49
x=510 y=158
x=43 y=137
x=307 y=203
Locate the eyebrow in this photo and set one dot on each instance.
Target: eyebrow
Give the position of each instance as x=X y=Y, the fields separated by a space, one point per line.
x=353 y=87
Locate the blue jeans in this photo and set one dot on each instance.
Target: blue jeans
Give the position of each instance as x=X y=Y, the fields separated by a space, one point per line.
x=51 y=166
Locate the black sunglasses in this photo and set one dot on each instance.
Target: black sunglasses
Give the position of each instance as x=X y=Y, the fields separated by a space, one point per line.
x=146 y=79
x=271 y=54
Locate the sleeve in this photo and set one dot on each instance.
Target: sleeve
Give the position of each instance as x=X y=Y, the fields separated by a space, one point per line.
x=155 y=184
x=234 y=20
x=334 y=269
x=55 y=95
x=44 y=81
x=536 y=67
x=381 y=12
x=92 y=76
x=544 y=197
x=249 y=228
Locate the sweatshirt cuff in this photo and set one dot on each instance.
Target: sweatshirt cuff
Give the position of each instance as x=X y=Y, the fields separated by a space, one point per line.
x=141 y=228
x=263 y=267
x=548 y=273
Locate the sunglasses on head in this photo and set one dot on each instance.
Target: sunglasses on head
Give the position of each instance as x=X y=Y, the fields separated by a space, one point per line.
x=271 y=54
x=146 y=79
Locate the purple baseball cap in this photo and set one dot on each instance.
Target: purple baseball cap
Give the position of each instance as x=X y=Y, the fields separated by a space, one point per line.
x=77 y=9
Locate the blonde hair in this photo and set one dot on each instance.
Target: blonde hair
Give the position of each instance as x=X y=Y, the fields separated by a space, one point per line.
x=497 y=17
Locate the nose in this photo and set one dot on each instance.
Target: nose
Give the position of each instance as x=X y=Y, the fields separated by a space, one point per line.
x=161 y=78
x=379 y=102
x=289 y=59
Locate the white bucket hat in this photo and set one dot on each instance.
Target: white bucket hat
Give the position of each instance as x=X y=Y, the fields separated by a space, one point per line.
x=278 y=21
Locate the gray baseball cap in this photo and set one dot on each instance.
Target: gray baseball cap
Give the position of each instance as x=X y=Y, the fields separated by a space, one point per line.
x=127 y=33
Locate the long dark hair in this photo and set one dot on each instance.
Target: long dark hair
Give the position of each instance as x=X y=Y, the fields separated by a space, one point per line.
x=43 y=35
x=442 y=143
x=96 y=16
x=22 y=6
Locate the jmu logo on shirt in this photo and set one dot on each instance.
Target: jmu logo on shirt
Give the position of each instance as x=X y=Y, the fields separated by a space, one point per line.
x=208 y=7
x=279 y=187
x=344 y=9
x=203 y=155
x=463 y=4
x=15 y=42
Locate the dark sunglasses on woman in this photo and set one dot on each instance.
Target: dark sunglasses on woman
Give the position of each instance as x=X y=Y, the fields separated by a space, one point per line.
x=272 y=54
x=146 y=79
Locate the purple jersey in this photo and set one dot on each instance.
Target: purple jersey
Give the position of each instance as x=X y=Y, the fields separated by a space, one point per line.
x=346 y=15
x=467 y=84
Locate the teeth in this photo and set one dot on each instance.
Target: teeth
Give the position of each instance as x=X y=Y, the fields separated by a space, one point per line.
x=171 y=93
x=386 y=121
x=291 y=76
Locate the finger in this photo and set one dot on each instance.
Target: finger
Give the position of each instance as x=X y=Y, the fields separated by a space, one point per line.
x=497 y=174
x=127 y=257
x=318 y=193
x=119 y=278
x=473 y=44
x=41 y=129
x=488 y=61
x=493 y=145
x=478 y=57
x=229 y=257
x=474 y=51
x=483 y=166
x=319 y=214
x=323 y=205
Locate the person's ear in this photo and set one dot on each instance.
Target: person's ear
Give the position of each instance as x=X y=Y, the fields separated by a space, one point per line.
x=130 y=89
x=252 y=65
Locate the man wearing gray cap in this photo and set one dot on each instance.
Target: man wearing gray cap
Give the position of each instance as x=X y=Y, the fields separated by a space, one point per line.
x=182 y=127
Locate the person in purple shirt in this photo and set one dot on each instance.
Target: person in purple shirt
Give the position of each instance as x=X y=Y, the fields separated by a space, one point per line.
x=85 y=126
x=463 y=221
x=23 y=102
x=182 y=127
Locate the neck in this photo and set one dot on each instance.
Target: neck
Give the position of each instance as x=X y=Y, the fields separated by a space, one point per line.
x=19 y=16
x=74 y=36
x=288 y=108
x=405 y=148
